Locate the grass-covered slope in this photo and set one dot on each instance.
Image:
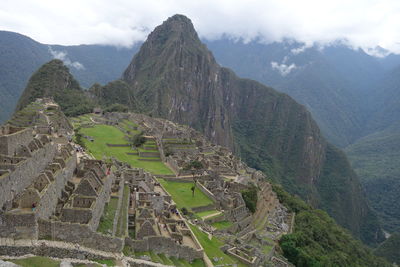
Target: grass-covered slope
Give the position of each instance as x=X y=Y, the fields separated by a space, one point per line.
x=318 y=241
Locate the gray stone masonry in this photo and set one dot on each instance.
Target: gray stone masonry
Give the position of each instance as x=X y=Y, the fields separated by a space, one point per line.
x=12 y=137
x=24 y=173
x=48 y=201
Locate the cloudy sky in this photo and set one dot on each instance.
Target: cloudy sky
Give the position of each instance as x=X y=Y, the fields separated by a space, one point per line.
x=364 y=23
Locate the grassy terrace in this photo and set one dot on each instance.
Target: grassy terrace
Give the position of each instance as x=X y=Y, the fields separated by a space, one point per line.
x=212 y=248
x=36 y=262
x=222 y=225
x=103 y=134
x=107 y=220
x=182 y=194
x=122 y=221
x=208 y=212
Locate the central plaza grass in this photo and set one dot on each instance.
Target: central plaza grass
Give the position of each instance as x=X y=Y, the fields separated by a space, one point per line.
x=182 y=194
x=103 y=134
x=212 y=248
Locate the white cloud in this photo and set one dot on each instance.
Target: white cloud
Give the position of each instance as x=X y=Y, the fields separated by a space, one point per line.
x=299 y=50
x=283 y=68
x=62 y=55
x=365 y=23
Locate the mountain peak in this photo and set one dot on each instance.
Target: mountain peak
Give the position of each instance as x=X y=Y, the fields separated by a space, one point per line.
x=177 y=27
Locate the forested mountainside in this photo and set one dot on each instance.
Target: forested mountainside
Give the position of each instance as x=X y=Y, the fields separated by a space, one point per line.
x=20 y=56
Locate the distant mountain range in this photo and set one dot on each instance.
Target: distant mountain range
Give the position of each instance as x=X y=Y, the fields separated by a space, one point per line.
x=20 y=56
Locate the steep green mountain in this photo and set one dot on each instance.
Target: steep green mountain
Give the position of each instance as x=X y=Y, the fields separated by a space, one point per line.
x=54 y=80
x=114 y=92
x=174 y=76
x=390 y=249
x=20 y=56
x=318 y=241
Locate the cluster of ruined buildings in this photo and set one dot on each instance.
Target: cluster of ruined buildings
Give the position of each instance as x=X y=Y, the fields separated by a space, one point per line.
x=48 y=192
x=222 y=178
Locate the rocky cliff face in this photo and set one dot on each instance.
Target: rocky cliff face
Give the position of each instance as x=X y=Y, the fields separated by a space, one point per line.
x=174 y=76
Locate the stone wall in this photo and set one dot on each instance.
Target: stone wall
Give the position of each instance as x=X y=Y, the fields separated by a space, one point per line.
x=166 y=246
x=103 y=197
x=81 y=234
x=206 y=192
x=19 y=226
x=48 y=201
x=25 y=172
x=203 y=208
x=9 y=143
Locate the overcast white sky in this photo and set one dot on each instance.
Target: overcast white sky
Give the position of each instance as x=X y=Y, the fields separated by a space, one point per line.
x=365 y=23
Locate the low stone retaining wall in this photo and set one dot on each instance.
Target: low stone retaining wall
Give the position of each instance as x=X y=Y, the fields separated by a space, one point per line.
x=164 y=245
x=149 y=154
x=203 y=208
x=133 y=153
x=206 y=192
x=80 y=234
x=150 y=159
x=118 y=145
x=51 y=251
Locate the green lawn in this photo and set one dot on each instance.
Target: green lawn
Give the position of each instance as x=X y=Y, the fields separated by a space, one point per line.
x=222 y=225
x=36 y=262
x=103 y=134
x=212 y=248
x=207 y=212
x=182 y=194
x=107 y=220
x=122 y=221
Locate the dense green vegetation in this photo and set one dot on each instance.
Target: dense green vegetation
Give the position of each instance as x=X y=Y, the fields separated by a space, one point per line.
x=103 y=134
x=376 y=159
x=318 y=241
x=336 y=190
x=390 y=249
x=182 y=194
x=250 y=198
